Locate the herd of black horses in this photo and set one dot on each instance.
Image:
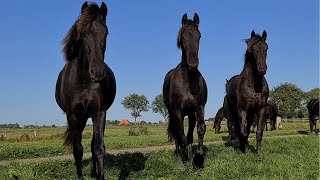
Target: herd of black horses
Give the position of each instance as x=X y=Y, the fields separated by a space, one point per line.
x=86 y=87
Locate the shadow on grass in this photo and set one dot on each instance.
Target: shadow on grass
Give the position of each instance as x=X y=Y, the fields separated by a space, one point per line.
x=302 y=132
x=236 y=146
x=126 y=163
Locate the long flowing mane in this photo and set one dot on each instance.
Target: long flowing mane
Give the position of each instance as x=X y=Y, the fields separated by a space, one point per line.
x=74 y=35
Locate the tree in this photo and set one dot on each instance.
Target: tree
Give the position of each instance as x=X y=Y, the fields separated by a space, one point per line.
x=137 y=103
x=158 y=106
x=312 y=94
x=288 y=98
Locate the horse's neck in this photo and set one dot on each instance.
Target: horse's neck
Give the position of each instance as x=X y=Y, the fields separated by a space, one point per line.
x=252 y=77
x=82 y=65
x=190 y=76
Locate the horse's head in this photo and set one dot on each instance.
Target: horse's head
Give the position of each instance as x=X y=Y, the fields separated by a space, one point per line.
x=258 y=47
x=87 y=39
x=188 y=40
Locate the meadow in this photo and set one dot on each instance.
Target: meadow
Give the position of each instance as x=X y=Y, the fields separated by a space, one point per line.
x=48 y=141
x=285 y=158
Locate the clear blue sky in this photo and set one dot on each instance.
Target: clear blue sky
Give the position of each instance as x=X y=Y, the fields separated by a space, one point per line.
x=141 y=49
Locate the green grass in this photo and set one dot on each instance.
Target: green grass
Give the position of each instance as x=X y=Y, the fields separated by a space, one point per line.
x=49 y=143
x=290 y=158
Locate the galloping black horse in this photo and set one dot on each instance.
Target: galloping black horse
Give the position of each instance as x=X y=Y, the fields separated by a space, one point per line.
x=313 y=109
x=217 y=120
x=185 y=93
x=86 y=86
x=248 y=92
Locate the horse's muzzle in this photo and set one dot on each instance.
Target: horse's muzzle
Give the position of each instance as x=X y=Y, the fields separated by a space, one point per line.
x=97 y=74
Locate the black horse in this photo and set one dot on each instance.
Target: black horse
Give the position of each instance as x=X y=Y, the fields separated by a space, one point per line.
x=185 y=93
x=248 y=92
x=313 y=109
x=271 y=114
x=217 y=120
x=86 y=86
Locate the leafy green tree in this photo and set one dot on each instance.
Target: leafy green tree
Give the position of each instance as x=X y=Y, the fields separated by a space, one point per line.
x=158 y=106
x=289 y=99
x=137 y=103
x=312 y=94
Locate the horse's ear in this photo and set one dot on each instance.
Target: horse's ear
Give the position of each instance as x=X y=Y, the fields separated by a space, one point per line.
x=253 y=33
x=84 y=6
x=196 y=19
x=103 y=10
x=264 y=35
x=184 y=19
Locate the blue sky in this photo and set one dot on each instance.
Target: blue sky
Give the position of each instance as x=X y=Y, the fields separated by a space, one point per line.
x=141 y=49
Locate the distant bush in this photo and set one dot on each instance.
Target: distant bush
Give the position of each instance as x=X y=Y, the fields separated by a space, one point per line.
x=138 y=130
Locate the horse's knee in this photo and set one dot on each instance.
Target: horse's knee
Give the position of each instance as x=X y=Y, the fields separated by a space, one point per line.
x=201 y=129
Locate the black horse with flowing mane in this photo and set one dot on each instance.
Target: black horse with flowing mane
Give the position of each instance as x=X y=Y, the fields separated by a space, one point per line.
x=313 y=109
x=185 y=93
x=247 y=93
x=86 y=86
x=220 y=115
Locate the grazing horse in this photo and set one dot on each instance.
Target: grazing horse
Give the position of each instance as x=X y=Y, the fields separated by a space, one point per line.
x=313 y=109
x=248 y=92
x=185 y=93
x=217 y=120
x=86 y=86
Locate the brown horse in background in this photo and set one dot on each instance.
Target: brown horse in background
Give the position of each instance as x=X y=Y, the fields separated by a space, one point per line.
x=86 y=86
x=220 y=115
x=185 y=93
x=271 y=114
x=313 y=109
x=248 y=92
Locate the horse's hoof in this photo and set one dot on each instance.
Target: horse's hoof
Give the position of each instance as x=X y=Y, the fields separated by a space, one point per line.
x=198 y=161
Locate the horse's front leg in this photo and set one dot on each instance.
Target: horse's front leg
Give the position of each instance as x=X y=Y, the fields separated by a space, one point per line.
x=192 y=123
x=98 y=120
x=198 y=159
x=259 y=133
x=243 y=134
x=74 y=135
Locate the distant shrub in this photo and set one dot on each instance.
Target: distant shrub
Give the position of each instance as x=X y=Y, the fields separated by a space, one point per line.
x=138 y=130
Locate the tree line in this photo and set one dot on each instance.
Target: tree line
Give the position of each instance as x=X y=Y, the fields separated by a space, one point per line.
x=290 y=99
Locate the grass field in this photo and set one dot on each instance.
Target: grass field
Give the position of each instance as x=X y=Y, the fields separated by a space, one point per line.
x=290 y=158
x=48 y=142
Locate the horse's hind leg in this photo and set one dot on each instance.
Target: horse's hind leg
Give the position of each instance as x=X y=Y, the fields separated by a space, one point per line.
x=192 y=123
x=76 y=126
x=198 y=159
x=98 y=120
x=312 y=124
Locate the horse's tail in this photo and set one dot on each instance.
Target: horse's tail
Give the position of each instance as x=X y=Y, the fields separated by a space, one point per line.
x=68 y=137
x=171 y=130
